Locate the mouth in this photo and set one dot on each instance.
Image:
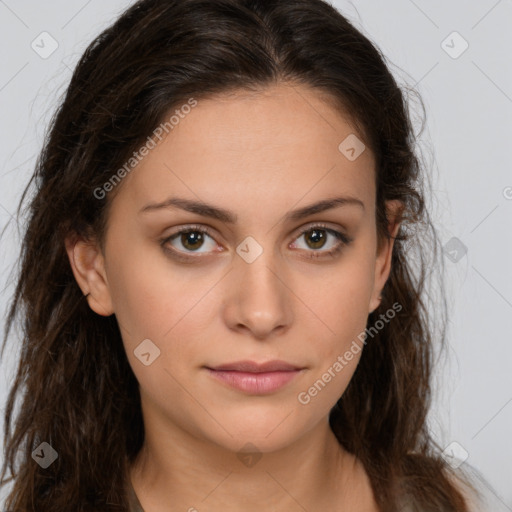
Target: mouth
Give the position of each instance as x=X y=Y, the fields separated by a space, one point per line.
x=254 y=378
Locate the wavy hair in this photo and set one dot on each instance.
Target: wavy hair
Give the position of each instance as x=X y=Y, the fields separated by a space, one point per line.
x=76 y=387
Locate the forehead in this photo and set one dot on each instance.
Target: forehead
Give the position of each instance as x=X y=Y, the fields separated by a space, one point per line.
x=285 y=145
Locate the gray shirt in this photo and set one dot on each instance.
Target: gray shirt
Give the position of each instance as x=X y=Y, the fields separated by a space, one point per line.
x=133 y=501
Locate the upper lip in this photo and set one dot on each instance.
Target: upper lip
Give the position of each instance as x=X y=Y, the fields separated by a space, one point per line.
x=253 y=367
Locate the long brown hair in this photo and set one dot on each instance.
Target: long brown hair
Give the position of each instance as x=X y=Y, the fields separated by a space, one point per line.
x=77 y=390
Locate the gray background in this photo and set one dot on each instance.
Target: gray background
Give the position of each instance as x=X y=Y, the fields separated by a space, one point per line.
x=468 y=98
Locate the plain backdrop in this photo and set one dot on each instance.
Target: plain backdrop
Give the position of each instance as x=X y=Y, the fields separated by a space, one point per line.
x=457 y=55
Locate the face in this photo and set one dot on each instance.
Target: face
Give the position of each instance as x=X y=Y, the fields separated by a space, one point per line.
x=254 y=282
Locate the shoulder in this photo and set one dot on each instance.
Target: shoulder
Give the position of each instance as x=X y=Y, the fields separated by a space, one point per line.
x=464 y=480
x=477 y=491
x=478 y=494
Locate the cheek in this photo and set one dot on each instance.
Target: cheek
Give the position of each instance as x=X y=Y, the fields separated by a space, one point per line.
x=149 y=291
x=336 y=317
x=156 y=300
x=166 y=328
x=338 y=301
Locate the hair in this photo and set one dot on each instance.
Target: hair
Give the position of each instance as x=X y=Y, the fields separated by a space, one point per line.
x=77 y=388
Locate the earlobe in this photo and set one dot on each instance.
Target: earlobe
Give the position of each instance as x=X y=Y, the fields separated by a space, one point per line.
x=88 y=266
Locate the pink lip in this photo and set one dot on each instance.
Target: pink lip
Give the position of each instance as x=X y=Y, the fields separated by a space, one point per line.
x=255 y=378
x=254 y=367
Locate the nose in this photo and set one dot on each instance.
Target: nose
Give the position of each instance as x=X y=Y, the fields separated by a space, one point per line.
x=259 y=299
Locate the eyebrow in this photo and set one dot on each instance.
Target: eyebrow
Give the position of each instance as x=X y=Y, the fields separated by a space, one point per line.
x=209 y=210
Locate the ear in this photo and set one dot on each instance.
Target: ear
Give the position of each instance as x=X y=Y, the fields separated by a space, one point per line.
x=394 y=210
x=88 y=267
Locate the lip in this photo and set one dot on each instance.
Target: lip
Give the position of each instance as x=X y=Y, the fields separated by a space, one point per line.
x=254 y=367
x=254 y=378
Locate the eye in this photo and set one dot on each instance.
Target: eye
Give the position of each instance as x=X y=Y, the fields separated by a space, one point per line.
x=316 y=237
x=190 y=238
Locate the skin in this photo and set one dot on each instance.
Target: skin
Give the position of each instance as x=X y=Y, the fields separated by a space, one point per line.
x=259 y=156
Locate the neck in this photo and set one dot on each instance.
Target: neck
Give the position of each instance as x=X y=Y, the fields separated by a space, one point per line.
x=193 y=474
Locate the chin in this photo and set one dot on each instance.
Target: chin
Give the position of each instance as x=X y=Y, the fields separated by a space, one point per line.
x=267 y=434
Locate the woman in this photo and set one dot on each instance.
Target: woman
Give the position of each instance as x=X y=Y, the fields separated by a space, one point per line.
x=219 y=306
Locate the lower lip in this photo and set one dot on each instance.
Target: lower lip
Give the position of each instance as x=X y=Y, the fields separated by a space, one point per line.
x=255 y=383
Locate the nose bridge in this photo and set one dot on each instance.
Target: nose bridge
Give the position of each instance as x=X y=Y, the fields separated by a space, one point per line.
x=260 y=301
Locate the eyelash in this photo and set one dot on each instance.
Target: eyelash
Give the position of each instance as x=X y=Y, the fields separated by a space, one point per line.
x=343 y=241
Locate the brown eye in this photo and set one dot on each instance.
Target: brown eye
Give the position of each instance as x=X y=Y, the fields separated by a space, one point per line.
x=317 y=238
x=188 y=240
x=191 y=240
